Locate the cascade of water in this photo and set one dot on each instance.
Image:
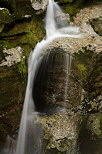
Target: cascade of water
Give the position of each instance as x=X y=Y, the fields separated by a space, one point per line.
x=68 y=64
x=27 y=142
x=57 y=24
x=50 y=22
x=9 y=147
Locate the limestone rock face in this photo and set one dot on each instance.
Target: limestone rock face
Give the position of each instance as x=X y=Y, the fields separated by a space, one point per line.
x=39 y=5
x=60 y=132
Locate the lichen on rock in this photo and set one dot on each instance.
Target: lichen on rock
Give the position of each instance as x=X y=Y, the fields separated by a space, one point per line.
x=12 y=57
x=60 y=136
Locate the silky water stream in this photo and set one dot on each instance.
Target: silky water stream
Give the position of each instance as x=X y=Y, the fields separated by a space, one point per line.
x=30 y=136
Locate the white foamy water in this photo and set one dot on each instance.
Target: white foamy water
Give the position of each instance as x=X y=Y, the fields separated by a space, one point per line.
x=57 y=24
x=30 y=135
x=10 y=146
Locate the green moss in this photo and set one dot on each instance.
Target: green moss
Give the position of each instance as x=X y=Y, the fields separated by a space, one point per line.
x=22 y=34
x=25 y=34
x=10 y=86
x=71 y=9
x=66 y=1
x=22 y=69
x=1 y=27
x=4 y=15
x=81 y=67
x=84 y=56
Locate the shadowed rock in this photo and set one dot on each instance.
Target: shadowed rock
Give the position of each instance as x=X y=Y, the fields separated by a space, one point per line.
x=52 y=90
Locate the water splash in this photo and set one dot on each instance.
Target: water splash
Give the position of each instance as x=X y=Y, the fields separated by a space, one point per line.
x=56 y=26
x=10 y=146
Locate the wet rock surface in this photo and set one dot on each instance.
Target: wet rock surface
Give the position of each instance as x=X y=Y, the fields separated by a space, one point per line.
x=49 y=95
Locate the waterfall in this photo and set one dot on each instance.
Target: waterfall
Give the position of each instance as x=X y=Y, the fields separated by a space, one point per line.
x=57 y=24
x=68 y=64
x=10 y=145
x=30 y=135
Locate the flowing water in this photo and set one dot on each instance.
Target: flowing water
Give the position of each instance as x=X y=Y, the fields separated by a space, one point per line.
x=30 y=135
x=68 y=64
x=10 y=145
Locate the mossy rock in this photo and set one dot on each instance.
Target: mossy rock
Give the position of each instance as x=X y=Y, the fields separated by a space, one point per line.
x=24 y=34
x=66 y=1
x=88 y=74
x=95 y=124
x=90 y=136
x=74 y=7
x=4 y=15
x=17 y=7
x=1 y=27
x=9 y=4
x=71 y=10
x=97 y=25
x=12 y=89
x=10 y=84
x=60 y=138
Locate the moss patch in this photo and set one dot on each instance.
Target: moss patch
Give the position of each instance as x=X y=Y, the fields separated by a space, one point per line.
x=10 y=84
x=71 y=10
x=22 y=33
x=1 y=27
x=66 y=1
x=74 y=7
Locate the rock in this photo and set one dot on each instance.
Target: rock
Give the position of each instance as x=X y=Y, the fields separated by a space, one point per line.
x=17 y=10
x=12 y=87
x=72 y=7
x=20 y=10
x=94 y=124
x=4 y=16
x=83 y=18
x=1 y=27
x=39 y=5
x=16 y=42
x=90 y=136
x=60 y=137
x=53 y=83
x=22 y=34
x=97 y=25
x=12 y=57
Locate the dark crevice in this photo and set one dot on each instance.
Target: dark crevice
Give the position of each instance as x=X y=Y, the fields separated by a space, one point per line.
x=10 y=36
x=49 y=82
